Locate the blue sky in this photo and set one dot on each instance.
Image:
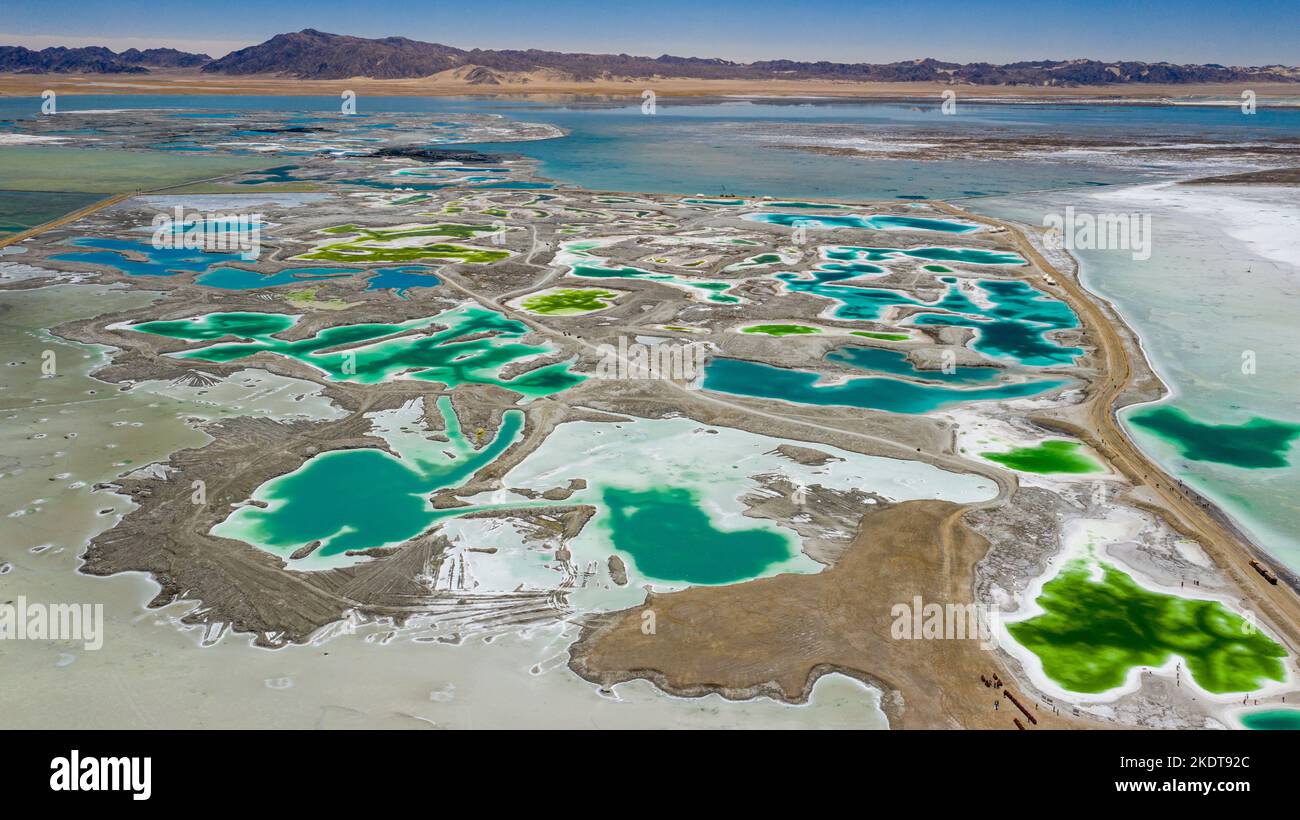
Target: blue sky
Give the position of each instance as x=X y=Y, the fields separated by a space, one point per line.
x=1216 y=31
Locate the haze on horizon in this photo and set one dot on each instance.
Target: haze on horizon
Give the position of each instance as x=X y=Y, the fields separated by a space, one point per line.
x=1178 y=31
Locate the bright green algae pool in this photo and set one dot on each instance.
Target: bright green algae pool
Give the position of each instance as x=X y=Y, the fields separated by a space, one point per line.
x=1046 y=458
x=568 y=301
x=1093 y=631
x=373 y=353
x=373 y=245
x=781 y=330
x=363 y=498
x=1257 y=444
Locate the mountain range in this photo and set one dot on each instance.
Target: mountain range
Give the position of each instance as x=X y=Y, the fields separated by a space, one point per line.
x=95 y=60
x=316 y=55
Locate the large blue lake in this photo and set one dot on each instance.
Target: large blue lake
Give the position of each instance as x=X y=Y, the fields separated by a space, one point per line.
x=715 y=146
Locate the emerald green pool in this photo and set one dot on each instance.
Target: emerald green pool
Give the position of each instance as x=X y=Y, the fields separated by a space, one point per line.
x=1048 y=457
x=671 y=538
x=218 y=325
x=1258 y=444
x=373 y=353
x=746 y=378
x=1094 y=631
x=363 y=498
x=1272 y=719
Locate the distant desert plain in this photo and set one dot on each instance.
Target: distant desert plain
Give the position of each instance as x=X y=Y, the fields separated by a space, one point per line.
x=455 y=82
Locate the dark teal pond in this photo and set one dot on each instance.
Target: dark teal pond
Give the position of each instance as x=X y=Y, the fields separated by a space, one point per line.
x=895 y=362
x=1274 y=719
x=746 y=378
